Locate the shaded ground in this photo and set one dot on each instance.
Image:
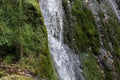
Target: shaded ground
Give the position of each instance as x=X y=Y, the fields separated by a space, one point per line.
x=14 y=72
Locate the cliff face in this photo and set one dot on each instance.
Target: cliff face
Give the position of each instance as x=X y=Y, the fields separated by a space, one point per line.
x=23 y=41
x=91 y=29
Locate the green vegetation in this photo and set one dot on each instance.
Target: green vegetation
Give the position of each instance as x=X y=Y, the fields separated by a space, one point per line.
x=112 y=34
x=82 y=37
x=89 y=65
x=83 y=33
x=23 y=37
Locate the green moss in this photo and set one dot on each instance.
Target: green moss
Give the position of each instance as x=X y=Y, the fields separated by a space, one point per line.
x=112 y=35
x=9 y=58
x=83 y=37
x=90 y=67
x=24 y=35
x=83 y=33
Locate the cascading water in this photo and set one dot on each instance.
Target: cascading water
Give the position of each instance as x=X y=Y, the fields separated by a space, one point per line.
x=115 y=8
x=67 y=63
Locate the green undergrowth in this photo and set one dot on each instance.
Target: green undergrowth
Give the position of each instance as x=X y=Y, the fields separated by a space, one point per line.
x=112 y=35
x=23 y=37
x=90 y=67
x=81 y=34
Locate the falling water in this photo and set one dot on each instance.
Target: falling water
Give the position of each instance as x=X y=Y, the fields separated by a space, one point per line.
x=67 y=63
x=115 y=8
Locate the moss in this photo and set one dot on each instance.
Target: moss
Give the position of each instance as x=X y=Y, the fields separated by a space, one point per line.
x=24 y=35
x=112 y=35
x=83 y=33
x=109 y=76
x=90 y=67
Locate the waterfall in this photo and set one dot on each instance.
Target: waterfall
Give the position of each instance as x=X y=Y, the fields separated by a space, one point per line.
x=115 y=8
x=66 y=61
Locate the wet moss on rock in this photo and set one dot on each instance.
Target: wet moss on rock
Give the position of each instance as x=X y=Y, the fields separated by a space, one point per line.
x=23 y=36
x=90 y=67
x=81 y=34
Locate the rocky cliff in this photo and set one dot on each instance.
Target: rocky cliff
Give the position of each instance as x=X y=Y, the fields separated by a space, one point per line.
x=60 y=39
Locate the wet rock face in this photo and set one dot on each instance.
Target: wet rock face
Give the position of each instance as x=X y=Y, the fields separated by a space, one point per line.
x=118 y=3
x=105 y=42
x=106 y=59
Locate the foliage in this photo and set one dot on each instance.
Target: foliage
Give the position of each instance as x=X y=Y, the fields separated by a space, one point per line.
x=24 y=36
x=112 y=34
x=82 y=36
x=83 y=27
x=90 y=68
x=9 y=58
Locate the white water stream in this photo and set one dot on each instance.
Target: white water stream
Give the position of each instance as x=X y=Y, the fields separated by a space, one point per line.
x=115 y=8
x=66 y=61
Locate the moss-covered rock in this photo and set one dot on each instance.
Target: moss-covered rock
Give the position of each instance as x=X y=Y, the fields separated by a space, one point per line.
x=23 y=37
x=81 y=34
x=90 y=68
